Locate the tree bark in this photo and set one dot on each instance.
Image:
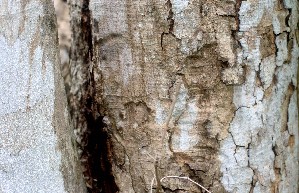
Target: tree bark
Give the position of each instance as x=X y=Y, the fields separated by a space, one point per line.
x=195 y=88
x=37 y=149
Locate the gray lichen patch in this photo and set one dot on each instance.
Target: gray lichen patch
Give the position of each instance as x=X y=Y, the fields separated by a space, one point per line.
x=261 y=123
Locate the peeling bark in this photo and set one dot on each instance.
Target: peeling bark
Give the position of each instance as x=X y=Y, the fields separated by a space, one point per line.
x=203 y=89
x=264 y=101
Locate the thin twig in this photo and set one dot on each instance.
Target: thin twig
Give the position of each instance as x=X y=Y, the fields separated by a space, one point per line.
x=166 y=125
x=154 y=159
x=185 y=178
x=152 y=184
x=177 y=90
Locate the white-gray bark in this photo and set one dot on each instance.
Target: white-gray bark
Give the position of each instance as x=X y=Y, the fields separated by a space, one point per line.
x=37 y=152
x=261 y=152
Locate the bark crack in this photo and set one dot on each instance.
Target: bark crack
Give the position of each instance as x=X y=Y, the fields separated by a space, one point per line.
x=170 y=21
x=95 y=142
x=254 y=176
x=253 y=182
x=170 y=18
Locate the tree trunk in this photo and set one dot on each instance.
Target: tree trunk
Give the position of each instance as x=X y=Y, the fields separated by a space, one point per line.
x=37 y=150
x=195 y=88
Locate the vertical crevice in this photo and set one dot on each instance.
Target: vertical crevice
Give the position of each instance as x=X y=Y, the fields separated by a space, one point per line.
x=86 y=31
x=98 y=147
x=95 y=146
x=99 y=152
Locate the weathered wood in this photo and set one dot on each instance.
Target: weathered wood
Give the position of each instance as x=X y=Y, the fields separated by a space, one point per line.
x=234 y=123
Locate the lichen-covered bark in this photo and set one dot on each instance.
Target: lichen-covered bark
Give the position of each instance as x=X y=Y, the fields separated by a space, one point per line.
x=184 y=88
x=37 y=153
x=261 y=152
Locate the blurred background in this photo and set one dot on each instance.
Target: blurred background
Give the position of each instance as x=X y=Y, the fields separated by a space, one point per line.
x=64 y=34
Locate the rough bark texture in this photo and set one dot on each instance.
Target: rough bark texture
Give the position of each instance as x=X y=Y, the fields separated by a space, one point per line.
x=37 y=150
x=197 y=88
x=261 y=152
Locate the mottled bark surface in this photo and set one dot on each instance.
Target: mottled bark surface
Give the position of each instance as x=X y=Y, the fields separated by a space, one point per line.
x=37 y=148
x=261 y=153
x=204 y=89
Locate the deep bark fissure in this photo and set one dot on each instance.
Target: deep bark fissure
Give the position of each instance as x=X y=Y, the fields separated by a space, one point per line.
x=100 y=155
x=97 y=148
x=86 y=31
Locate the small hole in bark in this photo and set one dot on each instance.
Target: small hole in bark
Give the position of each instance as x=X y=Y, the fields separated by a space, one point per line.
x=224 y=64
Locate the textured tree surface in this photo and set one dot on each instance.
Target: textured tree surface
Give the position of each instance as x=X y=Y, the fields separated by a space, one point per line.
x=37 y=150
x=197 y=88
